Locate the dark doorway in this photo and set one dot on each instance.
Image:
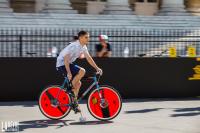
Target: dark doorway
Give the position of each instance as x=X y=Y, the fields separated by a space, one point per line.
x=23 y=6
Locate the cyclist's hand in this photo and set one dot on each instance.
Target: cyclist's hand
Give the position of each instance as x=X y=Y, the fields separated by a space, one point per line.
x=99 y=71
x=69 y=75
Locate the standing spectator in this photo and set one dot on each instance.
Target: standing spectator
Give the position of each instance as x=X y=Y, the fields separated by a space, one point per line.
x=103 y=49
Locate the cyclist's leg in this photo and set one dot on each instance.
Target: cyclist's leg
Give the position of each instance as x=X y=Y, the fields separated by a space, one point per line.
x=76 y=81
x=77 y=73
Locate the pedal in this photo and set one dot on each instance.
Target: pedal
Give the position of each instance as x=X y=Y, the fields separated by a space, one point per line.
x=75 y=108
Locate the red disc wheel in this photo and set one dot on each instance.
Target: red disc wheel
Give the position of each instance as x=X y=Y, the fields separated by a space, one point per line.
x=111 y=106
x=48 y=97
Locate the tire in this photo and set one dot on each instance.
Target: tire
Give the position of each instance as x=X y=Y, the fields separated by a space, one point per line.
x=113 y=100
x=50 y=111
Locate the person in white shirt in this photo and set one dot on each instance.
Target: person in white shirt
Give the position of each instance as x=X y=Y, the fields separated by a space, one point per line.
x=74 y=72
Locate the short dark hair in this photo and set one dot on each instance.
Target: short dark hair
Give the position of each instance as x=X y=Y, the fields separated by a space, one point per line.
x=75 y=37
x=82 y=33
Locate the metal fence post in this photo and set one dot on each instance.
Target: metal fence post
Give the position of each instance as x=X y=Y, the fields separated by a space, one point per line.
x=20 y=45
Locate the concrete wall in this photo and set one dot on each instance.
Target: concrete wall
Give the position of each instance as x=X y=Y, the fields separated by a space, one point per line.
x=81 y=6
x=146 y=8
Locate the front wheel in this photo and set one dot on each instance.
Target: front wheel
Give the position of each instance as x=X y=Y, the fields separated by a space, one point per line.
x=107 y=107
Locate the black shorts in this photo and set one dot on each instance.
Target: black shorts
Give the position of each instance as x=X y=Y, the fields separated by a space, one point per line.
x=73 y=68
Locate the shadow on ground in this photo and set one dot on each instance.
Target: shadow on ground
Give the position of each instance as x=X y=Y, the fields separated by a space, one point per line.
x=186 y=112
x=142 y=111
x=24 y=125
x=178 y=111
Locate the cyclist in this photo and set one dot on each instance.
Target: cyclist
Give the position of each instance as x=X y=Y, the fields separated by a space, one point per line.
x=67 y=68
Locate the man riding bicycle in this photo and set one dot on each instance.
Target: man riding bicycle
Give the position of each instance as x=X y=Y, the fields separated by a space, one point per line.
x=75 y=73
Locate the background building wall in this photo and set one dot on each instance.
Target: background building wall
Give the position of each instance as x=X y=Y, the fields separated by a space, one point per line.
x=141 y=7
x=21 y=6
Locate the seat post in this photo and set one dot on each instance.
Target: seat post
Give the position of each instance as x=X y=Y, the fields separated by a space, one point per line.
x=66 y=81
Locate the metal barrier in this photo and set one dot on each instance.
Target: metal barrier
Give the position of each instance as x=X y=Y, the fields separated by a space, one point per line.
x=35 y=42
x=24 y=78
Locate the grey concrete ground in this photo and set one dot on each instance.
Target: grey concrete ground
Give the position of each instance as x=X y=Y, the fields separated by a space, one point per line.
x=137 y=116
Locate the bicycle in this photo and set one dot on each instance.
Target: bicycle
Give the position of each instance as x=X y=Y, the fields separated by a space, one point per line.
x=104 y=102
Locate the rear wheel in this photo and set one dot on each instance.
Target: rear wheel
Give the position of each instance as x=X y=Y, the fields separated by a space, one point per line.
x=50 y=106
x=108 y=107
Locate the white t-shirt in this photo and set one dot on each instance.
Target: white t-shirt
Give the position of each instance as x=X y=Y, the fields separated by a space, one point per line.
x=74 y=50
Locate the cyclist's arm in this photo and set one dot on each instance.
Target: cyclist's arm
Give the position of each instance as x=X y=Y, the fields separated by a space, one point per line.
x=91 y=61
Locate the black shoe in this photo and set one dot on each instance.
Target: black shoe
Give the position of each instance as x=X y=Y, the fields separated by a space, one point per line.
x=75 y=107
